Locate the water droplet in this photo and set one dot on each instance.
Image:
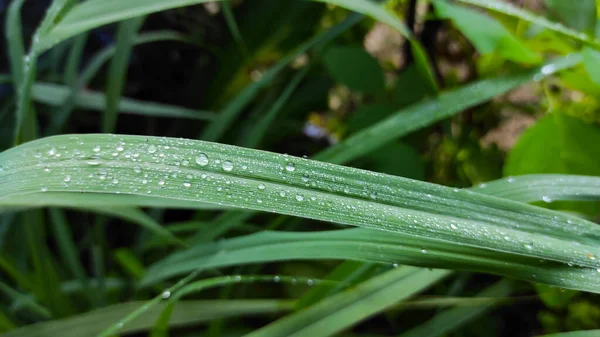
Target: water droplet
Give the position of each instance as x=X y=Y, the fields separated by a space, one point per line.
x=305 y=178
x=46 y=169
x=137 y=169
x=290 y=167
x=282 y=193
x=161 y=182
x=115 y=181
x=453 y=226
x=373 y=195
x=166 y=294
x=52 y=152
x=119 y=325
x=202 y=159
x=238 y=278
x=227 y=166
x=510 y=180
x=152 y=148
x=424 y=251
x=548 y=69
x=120 y=148
x=276 y=279
x=299 y=197
x=261 y=186
x=259 y=201
x=67 y=178
x=310 y=282
x=96 y=148
x=44 y=189
x=186 y=184
x=528 y=246
x=546 y=198
x=395 y=265
x=591 y=256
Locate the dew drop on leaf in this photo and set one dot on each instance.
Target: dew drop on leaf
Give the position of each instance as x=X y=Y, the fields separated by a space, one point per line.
x=261 y=186
x=290 y=167
x=152 y=148
x=227 y=166
x=202 y=159
x=299 y=197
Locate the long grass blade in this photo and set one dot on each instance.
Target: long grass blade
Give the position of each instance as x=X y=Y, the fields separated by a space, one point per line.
x=185 y=314
x=56 y=95
x=117 y=73
x=510 y=10
x=445 y=105
x=245 y=178
x=340 y=311
x=370 y=246
x=543 y=187
x=450 y=319
x=227 y=116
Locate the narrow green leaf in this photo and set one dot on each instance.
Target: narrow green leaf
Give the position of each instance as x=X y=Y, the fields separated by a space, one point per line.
x=227 y=116
x=540 y=187
x=370 y=246
x=74 y=60
x=186 y=313
x=487 y=35
x=14 y=39
x=373 y=10
x=56 y=95
x=253 y=179
x=258 y=131
x=232 y=24
x=340 y=311
x=428 y=112
x=68 y=250
x=586 y=333
x=117 y=73
x=510 y=10
x=94 y=66
x=450 y=319
x=88 y=15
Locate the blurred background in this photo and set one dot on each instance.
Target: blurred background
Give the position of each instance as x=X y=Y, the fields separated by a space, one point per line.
x=184 y=66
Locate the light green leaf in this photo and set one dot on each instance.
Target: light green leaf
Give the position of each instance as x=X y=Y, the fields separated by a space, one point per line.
x=567 y=137
x=368 y=245
x=430 y=111
x=487 y=34
x=586 y=333
x=510 y=10
x=591 y=61
x=216 y=173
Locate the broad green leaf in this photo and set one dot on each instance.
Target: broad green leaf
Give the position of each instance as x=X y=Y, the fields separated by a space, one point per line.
x=56 y=95
x=510 y=10
x=232 y=176
x=340 y=311
x=487 y=35
x=450 y=319
x=580 y=15
x=591 y=61
x=430 y=111
x=368 y=245
x=186 y=313
x=567 y=137
x=355 y=68
x=411 y=87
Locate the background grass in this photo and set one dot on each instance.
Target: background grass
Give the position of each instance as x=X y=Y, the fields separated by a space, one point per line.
x=449 y=116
